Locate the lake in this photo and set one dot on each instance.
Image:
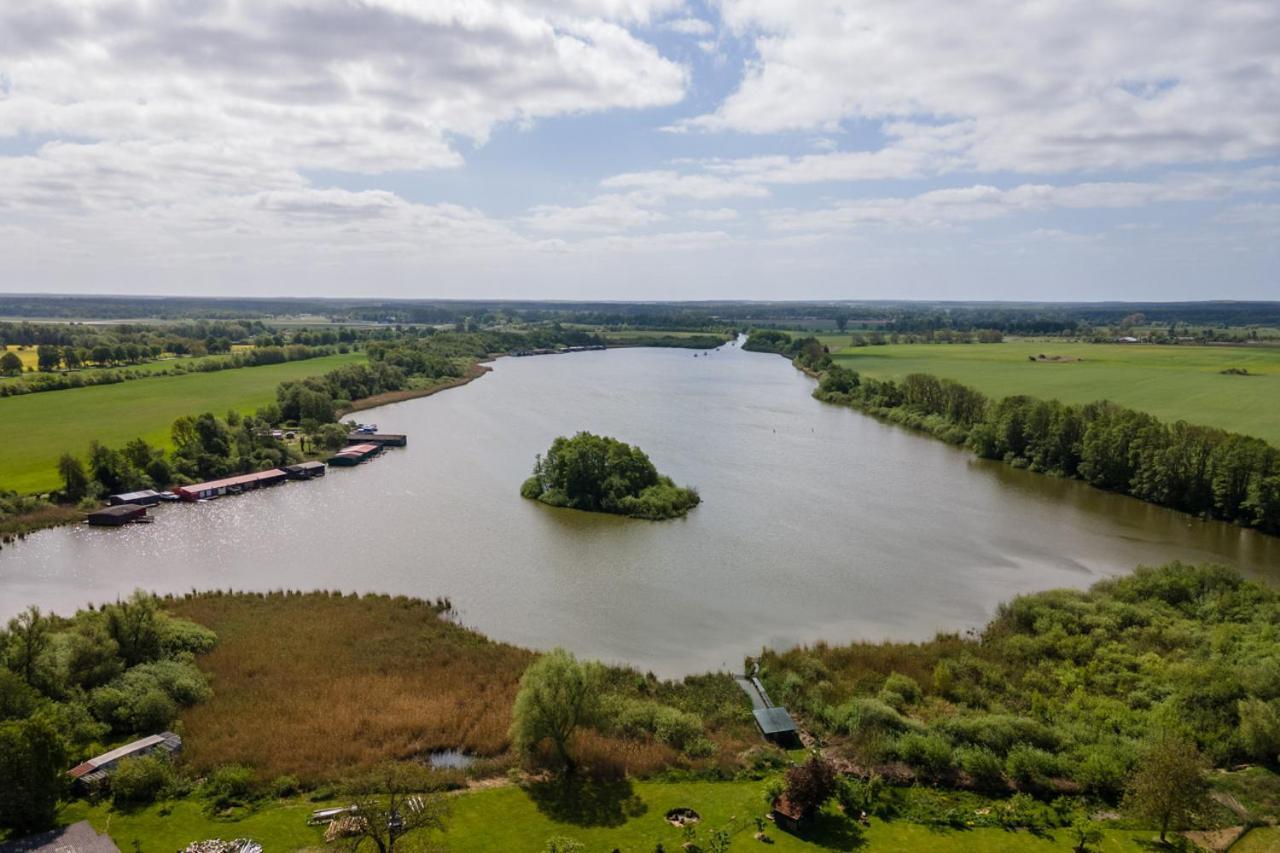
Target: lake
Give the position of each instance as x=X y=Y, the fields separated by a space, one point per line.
x=817 y=522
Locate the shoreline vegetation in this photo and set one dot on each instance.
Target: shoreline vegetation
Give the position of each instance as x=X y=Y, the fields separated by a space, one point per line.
x=283 y=697
x=601 y=474
x=1203 y=471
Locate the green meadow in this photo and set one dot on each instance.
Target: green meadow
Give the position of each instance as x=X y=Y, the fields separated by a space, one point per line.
x=35 y=429
x=630 y=819
x=1170 y=382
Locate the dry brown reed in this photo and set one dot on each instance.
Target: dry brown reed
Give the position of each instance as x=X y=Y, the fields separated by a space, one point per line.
x=320 y=685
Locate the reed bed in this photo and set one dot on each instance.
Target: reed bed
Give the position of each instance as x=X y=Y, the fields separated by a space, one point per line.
x=321 y=685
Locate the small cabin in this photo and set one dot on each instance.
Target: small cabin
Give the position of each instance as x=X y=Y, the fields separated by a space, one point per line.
x=305 y=470
x=116 y=516
x=787 y=815
x=777 y=726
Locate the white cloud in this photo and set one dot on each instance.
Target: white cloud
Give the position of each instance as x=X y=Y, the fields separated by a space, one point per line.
x=1008 y=85
x=690 y=26
x=663 y=184
x=980 y=202
x=719 y=214
x=604 y=213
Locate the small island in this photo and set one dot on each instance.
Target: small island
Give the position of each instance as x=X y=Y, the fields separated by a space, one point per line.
x=601 y=474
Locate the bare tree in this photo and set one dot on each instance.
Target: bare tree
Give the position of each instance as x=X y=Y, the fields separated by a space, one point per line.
x=391 y=803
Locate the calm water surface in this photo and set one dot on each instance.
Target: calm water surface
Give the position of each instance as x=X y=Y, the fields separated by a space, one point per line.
x=816 y=522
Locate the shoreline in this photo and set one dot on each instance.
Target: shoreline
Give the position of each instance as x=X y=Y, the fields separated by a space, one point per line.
x=18 y=527
x=472 y=373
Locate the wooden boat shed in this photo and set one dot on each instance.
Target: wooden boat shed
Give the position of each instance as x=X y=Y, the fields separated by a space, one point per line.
x=116 y=516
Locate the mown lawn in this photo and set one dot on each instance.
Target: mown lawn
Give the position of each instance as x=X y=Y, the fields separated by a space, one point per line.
x=626 y=816
x=1170 y=382
x=35 y=429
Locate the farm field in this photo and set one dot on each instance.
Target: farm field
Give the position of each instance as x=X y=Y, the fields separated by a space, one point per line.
x=35 y=429
x=1172 y=383
x=625 y=816
x=30 y=360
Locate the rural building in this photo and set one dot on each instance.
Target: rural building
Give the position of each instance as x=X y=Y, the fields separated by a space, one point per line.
x=231 y=485
x=383 y=439
x=355 y=454
x=776 y=725
x=76 y=838
x=786 y=814
x=95 y=771
x=305 y=470
x=146 y=497
x=116 y=516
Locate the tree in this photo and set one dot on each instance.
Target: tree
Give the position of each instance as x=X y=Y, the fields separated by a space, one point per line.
x=811 y=784
x=557 y=695
x=1168 y=786
x=33 y=758
x=48 y=358
x=10 y=364
x=842 y=322
x=27 y=641
x=1083 y=833
x=75 y=482
x=392 y=801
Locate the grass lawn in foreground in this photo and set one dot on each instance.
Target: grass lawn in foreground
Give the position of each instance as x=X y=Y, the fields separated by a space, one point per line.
x=35 y=429
x=1170 y=382
x=625 y=816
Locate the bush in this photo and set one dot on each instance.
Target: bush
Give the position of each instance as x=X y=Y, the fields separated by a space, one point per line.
x=228 y=786
x=983 y=766
x=870 y=715
x=899 y=691
x=140 y=781
x=926 y=751
x=1030 y=766
x=285 y=786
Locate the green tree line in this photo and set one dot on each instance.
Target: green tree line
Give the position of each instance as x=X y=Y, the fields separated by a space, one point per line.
x=1201 y=470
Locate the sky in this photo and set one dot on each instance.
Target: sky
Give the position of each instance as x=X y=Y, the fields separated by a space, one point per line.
x=642 y=149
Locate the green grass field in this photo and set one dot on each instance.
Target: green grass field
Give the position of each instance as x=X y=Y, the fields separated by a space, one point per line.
x=1170 y=382
x=35 y=429
x=515 y=821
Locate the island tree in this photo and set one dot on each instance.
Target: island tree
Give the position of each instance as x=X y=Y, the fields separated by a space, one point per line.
x=601 y=474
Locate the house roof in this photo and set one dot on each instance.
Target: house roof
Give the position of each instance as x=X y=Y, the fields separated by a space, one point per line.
x=241 y=480
x=76 y=838
x=774 y=721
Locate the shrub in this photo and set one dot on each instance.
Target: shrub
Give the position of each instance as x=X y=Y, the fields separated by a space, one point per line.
x=140 y=781
x=983 y=766
x=229 y=786
x=870 y=715
x=153 y=710
x=285 y=786
x=1029 y=766
x=926 y=751
x=899 y=691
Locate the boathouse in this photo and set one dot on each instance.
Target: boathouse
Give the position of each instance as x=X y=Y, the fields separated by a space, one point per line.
x=776 y=725
x=146 y=497
x=116 y=516
x=97 y=770
x=305 y=470
x=382 y=438
x=231 y=485
x=355 y=454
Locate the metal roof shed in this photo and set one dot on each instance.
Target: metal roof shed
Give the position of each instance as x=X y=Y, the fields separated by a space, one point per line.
x=775 y=721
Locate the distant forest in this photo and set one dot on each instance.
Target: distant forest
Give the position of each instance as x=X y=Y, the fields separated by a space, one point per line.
x=1011 y=317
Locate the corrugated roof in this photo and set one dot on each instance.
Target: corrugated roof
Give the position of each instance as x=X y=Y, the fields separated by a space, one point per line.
x=130 y=497
x=774 y=721
x=241 y=480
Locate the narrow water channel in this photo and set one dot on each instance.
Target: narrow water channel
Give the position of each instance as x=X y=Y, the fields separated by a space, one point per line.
x=817 y=522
